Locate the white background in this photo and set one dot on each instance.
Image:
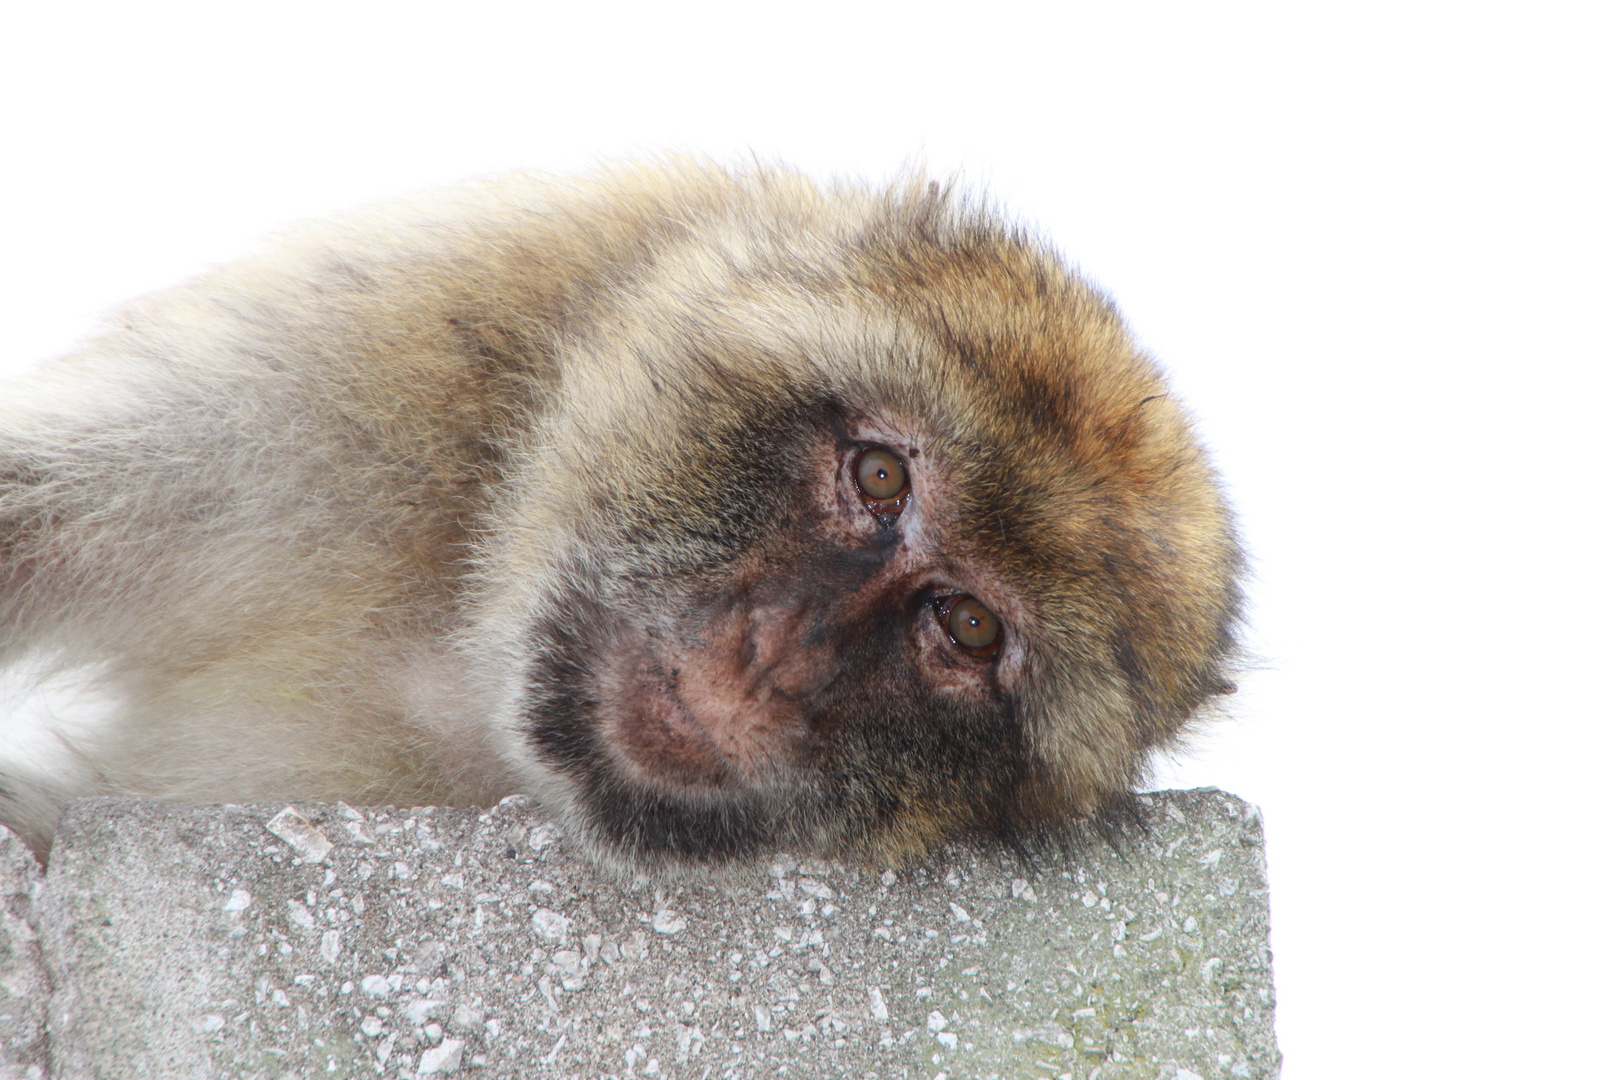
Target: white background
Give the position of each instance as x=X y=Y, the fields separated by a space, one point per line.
x=1375 y=244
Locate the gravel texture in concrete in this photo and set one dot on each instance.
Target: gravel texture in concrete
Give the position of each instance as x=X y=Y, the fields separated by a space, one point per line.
x=24 y=987
x=314 y=941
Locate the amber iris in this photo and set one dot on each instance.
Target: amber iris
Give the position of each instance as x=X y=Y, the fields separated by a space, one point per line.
x=880 y=474
x=972 y=626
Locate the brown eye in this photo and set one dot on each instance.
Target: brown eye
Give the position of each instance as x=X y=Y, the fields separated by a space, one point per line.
x=972 y=626
x=880 y=474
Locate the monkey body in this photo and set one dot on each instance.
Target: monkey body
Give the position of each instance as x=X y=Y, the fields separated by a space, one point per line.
x=722 y=512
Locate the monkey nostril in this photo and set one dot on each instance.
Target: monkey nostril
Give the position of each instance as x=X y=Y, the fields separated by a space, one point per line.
x=764 y=645
x=784 y=654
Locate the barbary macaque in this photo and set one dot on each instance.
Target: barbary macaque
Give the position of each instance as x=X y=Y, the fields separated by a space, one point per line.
x=722 y=511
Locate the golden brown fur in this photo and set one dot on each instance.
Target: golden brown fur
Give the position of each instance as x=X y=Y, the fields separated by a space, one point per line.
x=510 y=489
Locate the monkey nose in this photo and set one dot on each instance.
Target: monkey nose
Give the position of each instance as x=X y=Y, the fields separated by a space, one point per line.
x=778 y=657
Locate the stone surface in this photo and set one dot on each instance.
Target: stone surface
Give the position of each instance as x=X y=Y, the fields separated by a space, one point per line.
x=258 y=942
x=24 y=988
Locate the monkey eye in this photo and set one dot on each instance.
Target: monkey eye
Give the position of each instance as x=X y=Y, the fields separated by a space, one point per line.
x=971 y=625
x=880 y=474
x=881 y=477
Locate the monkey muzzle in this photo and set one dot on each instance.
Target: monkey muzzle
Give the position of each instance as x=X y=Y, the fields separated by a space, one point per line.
x=726 y=706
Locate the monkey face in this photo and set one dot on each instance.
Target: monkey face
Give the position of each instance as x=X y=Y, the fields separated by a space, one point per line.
x=860 y=620
x=835 y=675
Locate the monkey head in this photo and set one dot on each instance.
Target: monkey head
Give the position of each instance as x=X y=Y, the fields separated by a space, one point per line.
x=901 y=539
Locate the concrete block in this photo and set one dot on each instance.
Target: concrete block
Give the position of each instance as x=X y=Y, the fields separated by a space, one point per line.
x=315 y=941
x=24 y=987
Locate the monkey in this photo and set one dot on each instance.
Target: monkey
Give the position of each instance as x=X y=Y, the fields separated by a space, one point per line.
x=721 y=510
